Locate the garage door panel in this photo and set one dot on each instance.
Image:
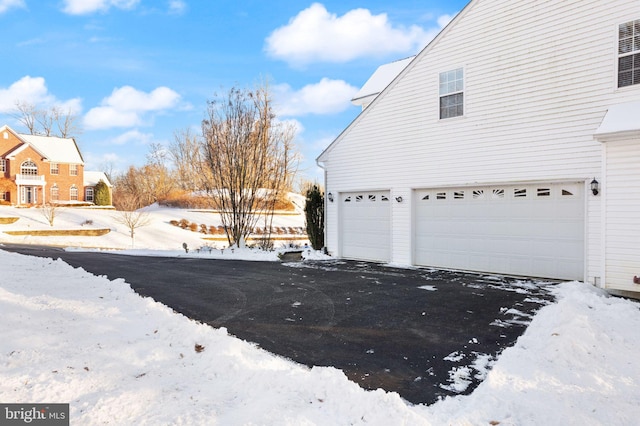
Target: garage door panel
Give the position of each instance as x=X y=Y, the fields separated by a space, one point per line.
x=535 y=230
x=365 y=225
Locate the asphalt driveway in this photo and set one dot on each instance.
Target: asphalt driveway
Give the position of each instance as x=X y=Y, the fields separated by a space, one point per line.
x=419 y=332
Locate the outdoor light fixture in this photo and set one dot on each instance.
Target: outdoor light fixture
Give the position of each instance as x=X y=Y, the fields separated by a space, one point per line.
x=399 y=199
x=595 y=187
x=330 y=197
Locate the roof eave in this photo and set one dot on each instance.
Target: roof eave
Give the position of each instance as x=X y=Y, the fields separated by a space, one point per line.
x=416 y=59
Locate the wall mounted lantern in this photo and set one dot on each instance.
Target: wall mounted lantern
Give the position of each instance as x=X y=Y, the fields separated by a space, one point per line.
x=399 y=199
x=330 y=197
x=595 y=187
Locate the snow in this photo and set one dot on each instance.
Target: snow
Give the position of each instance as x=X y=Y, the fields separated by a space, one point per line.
x=379 y=80
x=575 y=364
x=619 y=118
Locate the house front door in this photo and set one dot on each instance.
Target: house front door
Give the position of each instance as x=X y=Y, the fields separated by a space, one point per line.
x=29 y=194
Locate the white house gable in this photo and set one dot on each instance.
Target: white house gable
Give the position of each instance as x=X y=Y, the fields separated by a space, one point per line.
x=526 y=85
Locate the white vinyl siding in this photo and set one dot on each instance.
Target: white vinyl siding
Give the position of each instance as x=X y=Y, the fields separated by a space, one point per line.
x=538 y=79
x=622 y=212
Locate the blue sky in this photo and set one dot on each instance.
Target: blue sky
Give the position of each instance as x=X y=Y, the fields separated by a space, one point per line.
x=136 y=71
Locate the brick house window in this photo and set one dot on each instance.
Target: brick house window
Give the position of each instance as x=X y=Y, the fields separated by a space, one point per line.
x=73 y=193
x=629 y=53
x=451 y=87
x=55 y=193
x=54 y=168
x=29 y=168
x=73 y=169
x=88 y=194
x=3 y=165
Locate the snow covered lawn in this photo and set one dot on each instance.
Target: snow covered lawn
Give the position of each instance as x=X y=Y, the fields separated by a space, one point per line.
x=118 y=358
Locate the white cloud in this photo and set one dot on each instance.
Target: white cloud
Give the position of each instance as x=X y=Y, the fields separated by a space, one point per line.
x=444 y=20
x=5 y=5
x=325 y=97
x=315 y=35
x=177 y=7
x=84 y=7
x=126 y=106
x=133 y=136
x=33 y=90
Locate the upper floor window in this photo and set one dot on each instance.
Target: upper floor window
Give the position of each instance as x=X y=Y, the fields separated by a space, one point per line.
x=73 y=169
x=629 y=53
x=29 y=168
x=3 y=165
x=54 y=168
x=452 y=93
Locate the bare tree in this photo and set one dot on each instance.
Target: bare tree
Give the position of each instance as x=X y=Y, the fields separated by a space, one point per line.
x=65 y=122
x=250 y=158
x=157 y=179
x=53 y=121
x=49 y=211
x=132 y=218
x=26 y=114
x=186 y=154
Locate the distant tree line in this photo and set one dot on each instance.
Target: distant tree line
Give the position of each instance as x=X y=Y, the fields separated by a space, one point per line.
x=241 y=162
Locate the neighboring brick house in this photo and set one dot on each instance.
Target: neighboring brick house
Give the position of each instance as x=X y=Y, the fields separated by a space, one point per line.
x=40 y=169
x=91 y=179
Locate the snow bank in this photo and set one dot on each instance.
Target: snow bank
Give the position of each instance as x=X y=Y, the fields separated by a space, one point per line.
x=118 y=358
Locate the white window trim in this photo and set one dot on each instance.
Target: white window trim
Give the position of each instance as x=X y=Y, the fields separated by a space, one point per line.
x=455 y=92
x=72 y=190
x=620 y=55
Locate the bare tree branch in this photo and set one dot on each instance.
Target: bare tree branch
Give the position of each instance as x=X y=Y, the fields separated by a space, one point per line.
x=250 y=157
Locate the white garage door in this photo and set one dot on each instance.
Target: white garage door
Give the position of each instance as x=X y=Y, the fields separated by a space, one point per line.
x=531 y=230
x=365 y=225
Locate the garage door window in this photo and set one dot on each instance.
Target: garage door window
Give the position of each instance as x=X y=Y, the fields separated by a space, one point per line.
x=519 y=193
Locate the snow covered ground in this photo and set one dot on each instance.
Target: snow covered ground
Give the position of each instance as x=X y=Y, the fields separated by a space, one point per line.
x=118 y=358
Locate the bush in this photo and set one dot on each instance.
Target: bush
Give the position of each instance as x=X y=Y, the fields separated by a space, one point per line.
x=184 y=223
x=314 y=215
x=185 y=200
x=193 y=227
x=101 y=194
